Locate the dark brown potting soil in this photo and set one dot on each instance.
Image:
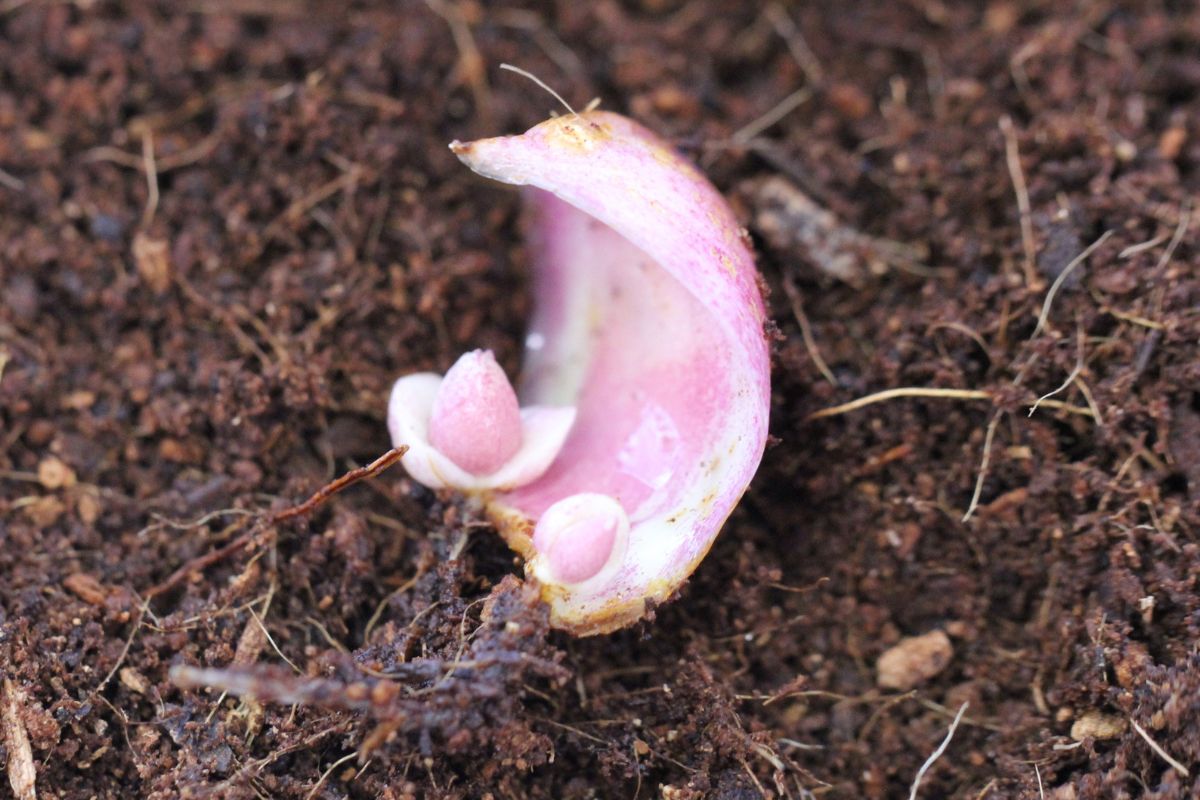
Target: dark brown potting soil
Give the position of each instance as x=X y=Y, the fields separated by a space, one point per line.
x=226 y=226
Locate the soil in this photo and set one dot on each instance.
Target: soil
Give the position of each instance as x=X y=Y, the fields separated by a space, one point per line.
x=226 y=226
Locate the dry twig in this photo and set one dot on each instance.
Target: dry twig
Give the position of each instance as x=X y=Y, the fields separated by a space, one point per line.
x=320 y=496
x=1185 y=219
x=789 y=31
x=347 y=180
x=777 y=112
x=11 y=181
x=544 y=36
x=470 y=61
x=151 y=179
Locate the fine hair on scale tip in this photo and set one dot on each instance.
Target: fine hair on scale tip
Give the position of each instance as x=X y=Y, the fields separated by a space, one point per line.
x=591 y=106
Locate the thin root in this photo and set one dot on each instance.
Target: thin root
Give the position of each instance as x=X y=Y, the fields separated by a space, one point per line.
x=1062 y=276
x=325 y=775
x=989 y=435
x=1012 y=157
x=891 y=394
x=789 y=288
x=125 y=649
x=1071 y=378
x=920 y=391
x=543 y=84
x=1157 y=748
x=936 y=754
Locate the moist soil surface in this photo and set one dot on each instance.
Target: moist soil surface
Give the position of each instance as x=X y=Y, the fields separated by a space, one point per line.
x=226 y=227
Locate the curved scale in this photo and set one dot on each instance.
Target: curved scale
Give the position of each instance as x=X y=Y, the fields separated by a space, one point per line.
x=649 y=321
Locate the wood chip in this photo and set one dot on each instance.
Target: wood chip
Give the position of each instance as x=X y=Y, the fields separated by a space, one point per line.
x=45 y=511
x=133 y=680
x=87 y=506
x=1097 y=725
x=251 y=643
x=86 y=588
x=914 y=660
x=153 y=262
x=22 y=775
x=79 y=400
x=54 y=474
x=1171 y=143
x=793 y=222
